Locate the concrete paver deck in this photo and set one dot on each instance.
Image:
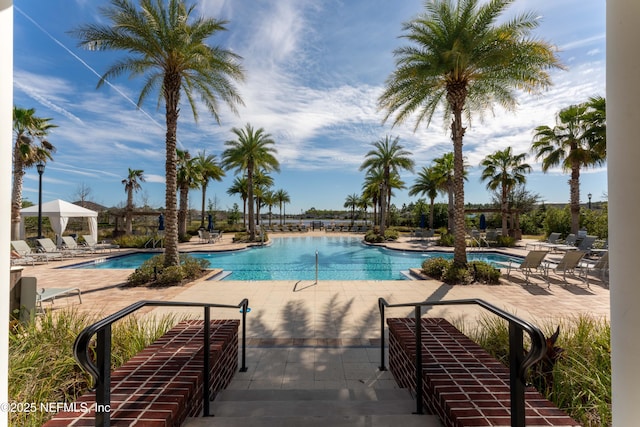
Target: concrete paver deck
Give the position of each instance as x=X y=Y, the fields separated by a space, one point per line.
x=335 y=321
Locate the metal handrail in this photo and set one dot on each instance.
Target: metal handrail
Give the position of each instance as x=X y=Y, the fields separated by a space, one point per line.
x=101 y=370
x=518 y=362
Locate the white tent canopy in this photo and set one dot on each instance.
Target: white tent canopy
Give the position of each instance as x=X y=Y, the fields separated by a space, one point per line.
x=59 y=213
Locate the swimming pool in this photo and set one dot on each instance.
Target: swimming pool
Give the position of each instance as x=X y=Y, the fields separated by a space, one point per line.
x=294 y=258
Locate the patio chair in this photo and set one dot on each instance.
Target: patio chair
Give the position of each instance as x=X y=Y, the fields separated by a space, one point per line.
x=71 y=246
x=551 y=240
x=598 y=268
x=49 y=247
x=569 y=244
x=568 y=264
x=18 y=259
x=50 y=294
x=91 y=242
x=23 y=248
x=532 y=264
x=586 y=244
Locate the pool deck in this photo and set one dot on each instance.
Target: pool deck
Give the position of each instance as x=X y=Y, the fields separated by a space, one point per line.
x=306 y=335
x=352 y=304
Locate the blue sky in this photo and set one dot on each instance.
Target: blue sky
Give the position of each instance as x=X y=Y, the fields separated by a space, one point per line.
x=314 y=71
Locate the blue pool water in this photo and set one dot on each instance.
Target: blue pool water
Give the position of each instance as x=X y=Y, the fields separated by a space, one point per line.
x=294 y=258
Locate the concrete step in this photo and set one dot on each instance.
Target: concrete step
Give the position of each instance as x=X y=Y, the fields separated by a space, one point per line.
x=311 y=408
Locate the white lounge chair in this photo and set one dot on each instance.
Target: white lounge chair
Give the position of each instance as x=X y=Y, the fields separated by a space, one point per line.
x=49 y=247
x=599 y=268
x=532 y=264
x=91 y=242
x=551 y=240
x=568 y=264
x=25 y=250
x=50 y=294
x=70 y=244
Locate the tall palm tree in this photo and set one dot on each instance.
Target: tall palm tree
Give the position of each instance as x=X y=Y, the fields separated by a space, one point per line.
x=251 y=151
x=504 y=170
x=30 y=148
x=390 y=157
x=351 y=202
x=576 y=141
x=462 y=59
x=166 y=44
x=282 y=197
x=443 y=172
x=131 y=184
x=269 y=200
x=371 y=189
x=188 y=177
x=240 y=187
x=426 y=184
x=262 y=182
x=209 y=169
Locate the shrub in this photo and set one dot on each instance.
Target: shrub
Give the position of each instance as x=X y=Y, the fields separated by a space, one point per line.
x=153 y=272
x=581 y=380
x=443 y=269
x=484 y=272
x=41 y=363
x=446 y=239
x=131 y=241
x=391 y=234
x=505 y=241
x=435 y=267
x=373 y=236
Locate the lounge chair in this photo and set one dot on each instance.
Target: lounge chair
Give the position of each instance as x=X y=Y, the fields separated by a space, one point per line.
x=49 y=247
x=532 y=264
x=50 y=294
x=586 y=244
x=69 y=245
x=568 y=264
x=18 y=259
x=551 y=240
x=25 y=250
x=599 y=268
x=569 y=244
x=91 y=242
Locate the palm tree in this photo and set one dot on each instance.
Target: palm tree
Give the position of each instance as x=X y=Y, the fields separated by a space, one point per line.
x=169 y=48
x=503 y=170
x=282 y=197
x=577 y=140
x=188 y=176
x=390 y=157
x=351 y=202
x=251 y=151
x=460 y=58
x=426 y=184
x=371 y=189
x=269 y=200
x=262 y=182
x=131 y=184
x=240 y=187
x=209 y=169
x=443 y=172
x=27 y=152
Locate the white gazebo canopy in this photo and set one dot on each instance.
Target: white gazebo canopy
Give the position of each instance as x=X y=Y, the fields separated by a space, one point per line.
x=59 y=213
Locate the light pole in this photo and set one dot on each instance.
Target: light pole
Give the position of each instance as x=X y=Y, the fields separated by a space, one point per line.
x=589 y=196
x=40 y=168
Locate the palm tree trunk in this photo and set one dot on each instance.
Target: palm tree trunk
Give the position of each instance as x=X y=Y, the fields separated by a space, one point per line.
x=451 y=217
x=183 y=210
x=252 y=223
x=456 y=97
x=128 y=219
x=574 y=188
x=383 y=211
x=505 y=210
x=16 y=192
x=171 y=87
x=204 y=193
x=431 y=215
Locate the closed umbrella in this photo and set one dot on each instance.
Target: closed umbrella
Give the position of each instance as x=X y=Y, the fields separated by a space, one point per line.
x=161 y=223
x=483 y=222
x=210 y=223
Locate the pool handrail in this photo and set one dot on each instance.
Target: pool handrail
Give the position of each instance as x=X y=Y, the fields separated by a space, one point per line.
x=518 y=362
x=101 y=370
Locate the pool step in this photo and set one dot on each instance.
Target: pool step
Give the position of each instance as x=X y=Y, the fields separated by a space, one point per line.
x=220 y=276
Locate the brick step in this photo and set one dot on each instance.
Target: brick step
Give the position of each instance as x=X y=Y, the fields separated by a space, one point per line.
x=310 y=408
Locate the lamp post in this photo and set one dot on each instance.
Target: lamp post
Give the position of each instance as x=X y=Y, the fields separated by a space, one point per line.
x=40 y=168
x=589 y=196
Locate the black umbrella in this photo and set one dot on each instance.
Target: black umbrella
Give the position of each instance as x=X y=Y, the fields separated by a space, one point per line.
x=210 y=223
x=483 y=222
x=161 y=223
